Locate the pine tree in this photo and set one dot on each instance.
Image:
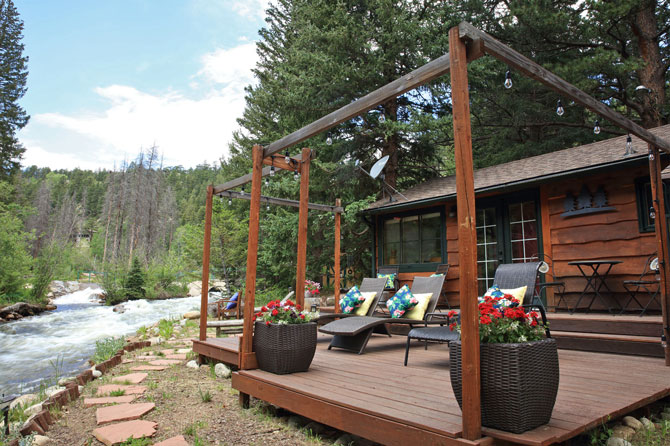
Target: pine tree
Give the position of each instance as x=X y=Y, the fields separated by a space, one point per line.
x=13 y=76
x=134 y=286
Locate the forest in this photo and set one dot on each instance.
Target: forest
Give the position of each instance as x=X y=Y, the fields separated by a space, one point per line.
x=142 y=217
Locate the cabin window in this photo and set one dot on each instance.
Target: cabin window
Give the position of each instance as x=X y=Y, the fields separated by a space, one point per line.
x=412 y=239
x=644 y=202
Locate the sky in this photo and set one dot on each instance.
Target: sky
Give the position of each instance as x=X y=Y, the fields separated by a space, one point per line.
x=108 y=79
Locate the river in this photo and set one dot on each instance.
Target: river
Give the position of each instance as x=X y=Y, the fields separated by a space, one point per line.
x=31 y=348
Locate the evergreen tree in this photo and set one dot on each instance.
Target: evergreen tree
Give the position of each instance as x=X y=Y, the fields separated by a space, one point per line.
x=13 y=76
x=134 y=285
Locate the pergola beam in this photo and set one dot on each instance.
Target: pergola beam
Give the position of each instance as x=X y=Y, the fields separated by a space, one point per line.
x=244 y=179
x=284 y=202
x=534 y=71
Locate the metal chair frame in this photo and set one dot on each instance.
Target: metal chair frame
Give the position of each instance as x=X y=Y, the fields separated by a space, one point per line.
x=651 y=287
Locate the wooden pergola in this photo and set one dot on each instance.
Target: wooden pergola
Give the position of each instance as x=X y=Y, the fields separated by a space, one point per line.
x=466 y=43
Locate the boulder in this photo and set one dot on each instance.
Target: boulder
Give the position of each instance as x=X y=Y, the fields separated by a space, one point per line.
x=624 y=432
x=23 y=400
x=63 y=381
x=222 y=371
x=50 y=307
x=53 y=390
x=96 y=373
x=616 y=441
x=648 y=425
x=40 y=440
x=72 y=286
x=22 y=309
x=632 y=422
x=192 y=315
x=194 y=288
x=119 y=308
x=32 y=410
x=192 y=365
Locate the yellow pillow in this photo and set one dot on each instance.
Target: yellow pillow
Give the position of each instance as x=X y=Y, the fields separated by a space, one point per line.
x=365 y=306
x=420 y=309
x=517 y=293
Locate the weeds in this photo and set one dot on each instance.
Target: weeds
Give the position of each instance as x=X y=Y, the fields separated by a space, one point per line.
x=143 y=441
x=205 y=396
x=119 y=392
x=106 y=348
x=166 y=328
x=152 y=385
x=192 y=429
x=143 y=331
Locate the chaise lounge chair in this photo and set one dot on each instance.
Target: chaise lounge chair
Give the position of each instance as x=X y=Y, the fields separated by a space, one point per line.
x=509 y=275
x=368 y=285
x=353 y=333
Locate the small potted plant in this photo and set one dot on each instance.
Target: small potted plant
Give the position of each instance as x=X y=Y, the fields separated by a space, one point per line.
x=284 y=338
x=519 y=366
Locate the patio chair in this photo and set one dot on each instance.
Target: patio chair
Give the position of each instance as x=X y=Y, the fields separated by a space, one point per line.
x=550 y=281
x=367 y=285
x=511 y=275
x=443 y=268
x=648 y=282
x=394 y=269
x=353 y=333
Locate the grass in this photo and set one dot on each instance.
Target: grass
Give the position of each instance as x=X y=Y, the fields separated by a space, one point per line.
x=192 y=429
x=166 y=328
x=658 y=437
x=205 y=396
x=119 y=392
x=106 y=348
x=143 y=332
x=152 y=385
x=143 y=441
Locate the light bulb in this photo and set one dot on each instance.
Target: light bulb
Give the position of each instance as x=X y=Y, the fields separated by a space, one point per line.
x=296 y=175
x=629 y=145
x=382 y=117
x=596 y=127
x=652 y=213
x=287 y=157
x=267 y=207
x=651 y=155
x=508 y=79
x=267 y=181
x=230 y=201
x=329 y=141
x=272 y=171
x=242 y=191
x=559 y=108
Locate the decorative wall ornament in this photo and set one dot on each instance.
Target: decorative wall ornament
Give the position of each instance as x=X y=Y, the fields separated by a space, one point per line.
x=586 y=203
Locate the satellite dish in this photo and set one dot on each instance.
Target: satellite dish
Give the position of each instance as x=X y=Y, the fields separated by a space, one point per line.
x=544 y=268
x=379 y=166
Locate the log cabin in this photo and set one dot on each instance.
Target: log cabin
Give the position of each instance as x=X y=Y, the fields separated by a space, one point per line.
x=582 y=203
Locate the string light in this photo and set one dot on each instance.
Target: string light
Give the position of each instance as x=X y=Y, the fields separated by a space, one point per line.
x=596 y=127
x=267 y=206
x=287 y=157
x=296 y=175
x=267 y=181
x=329 y=141
x=272 y=171
x=629 y=146
x=651 y=154
x=242 y=191
x=230 y=201
x=382 y=117
x=559 y=108
x=508 y=79
x=652 y=213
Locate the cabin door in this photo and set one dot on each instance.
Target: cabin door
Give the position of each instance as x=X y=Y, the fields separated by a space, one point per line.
x=508 y=231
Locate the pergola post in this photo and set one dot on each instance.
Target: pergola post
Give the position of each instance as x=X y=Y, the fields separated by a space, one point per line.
x=246 y=347
x=204 y=293
x=658 y=202
x=336 y=266
x=302 y=228
x=467 y=238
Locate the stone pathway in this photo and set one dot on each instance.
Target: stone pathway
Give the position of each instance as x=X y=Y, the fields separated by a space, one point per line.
x=122 y=414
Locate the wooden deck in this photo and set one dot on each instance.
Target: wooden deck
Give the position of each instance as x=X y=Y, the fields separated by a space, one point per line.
x=373 y=395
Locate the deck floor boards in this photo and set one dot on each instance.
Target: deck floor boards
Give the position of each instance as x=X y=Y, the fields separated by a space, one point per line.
x=593 y=387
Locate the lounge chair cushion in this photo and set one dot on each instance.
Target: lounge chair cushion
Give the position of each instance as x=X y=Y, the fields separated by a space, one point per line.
x=233 y=301
x=401 y=301
x=496 y=291
x=390 y=279
x=420 y=309
x=436 y=275
x=352 y=300
x=365 y=306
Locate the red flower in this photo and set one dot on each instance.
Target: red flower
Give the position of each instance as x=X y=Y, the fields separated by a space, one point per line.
x=485 y=320
x=302 y=316
x=267 y=322
x=298 y=307
x=453 y=326
x=264 y=308
x=451 y=314
x=533 y=323
x=289 y=303
x=275 y=312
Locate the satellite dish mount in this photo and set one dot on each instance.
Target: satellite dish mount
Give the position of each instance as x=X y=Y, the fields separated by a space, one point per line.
x=376 y=172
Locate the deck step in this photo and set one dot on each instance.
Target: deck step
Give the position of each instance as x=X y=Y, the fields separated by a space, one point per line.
x=609 y=343
x=651 y=326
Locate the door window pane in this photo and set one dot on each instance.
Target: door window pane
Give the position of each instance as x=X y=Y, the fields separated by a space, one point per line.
x=523 y=231
x=487 y=247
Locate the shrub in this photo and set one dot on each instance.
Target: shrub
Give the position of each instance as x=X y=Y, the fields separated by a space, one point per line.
x=106 y=348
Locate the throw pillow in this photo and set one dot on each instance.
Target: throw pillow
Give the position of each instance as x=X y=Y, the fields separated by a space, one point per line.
x=365 y=306
x=352 y=300
x=436 y=275
x=390 y=279
x=401 y=301
x=518 y=293
x=233 y=301
x=419 y=311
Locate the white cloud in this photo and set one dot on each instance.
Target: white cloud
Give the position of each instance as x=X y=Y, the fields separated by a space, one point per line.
x=187 y=131
x=251 y=8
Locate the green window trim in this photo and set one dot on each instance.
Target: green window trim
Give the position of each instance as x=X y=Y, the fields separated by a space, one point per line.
x=643 y=199
x=412 y=236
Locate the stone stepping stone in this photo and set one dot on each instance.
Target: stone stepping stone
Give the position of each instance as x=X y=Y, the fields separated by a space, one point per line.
x=179 y=440
x=88 y=402
x=130 y=390
x=147 y=368
x=165 y=362
x=184 y=350
x=146 y=358
x=181 y=357
x=120 y=432
x=122 y=412
x=132 y=378
x=168 y=352
x=127 y=361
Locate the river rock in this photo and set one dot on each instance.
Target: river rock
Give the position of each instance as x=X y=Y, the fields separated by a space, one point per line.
x=22 y=309
x=32 y=410
x=192 y=365
x=63 y=381
x=632 y=422
x=40 y=440
x=156 y=340
x=23 y=400
x=192 y=315
x=195 y=288
x=96 y=373
x=222 y=371
x=616 y=441
x=50 y=307
x=648 y=425
x=119 y=308
x=624 y=432
x=53 y=390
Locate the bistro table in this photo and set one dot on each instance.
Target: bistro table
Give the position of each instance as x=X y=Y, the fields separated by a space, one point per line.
x=595 y=280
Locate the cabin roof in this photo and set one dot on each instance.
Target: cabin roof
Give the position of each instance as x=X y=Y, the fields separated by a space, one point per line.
x=524 y=172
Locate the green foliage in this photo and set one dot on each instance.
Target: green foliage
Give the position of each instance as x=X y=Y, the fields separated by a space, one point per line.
x=205 y=396
x=14 y=256
x=43 y=272
x=119 y=392
x=134 y=283
x=142 y=441
x=106 y=348
x=166 y=328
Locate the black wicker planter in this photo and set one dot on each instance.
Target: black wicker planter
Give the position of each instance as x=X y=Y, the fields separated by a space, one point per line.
x=283 y=349
x=519 y=383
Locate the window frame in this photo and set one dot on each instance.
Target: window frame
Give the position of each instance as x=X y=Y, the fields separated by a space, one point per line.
x=413 y=267
x=642 y=185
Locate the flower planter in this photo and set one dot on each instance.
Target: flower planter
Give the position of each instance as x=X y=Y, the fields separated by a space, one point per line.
x=519 y=383
x=283 y=349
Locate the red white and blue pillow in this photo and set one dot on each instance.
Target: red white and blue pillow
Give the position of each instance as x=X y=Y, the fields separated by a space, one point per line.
x=352 y=300
x=401 y=302
x=495 y=291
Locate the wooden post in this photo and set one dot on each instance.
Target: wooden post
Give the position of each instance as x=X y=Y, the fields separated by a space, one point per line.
x=658 y=202
x=204 y=294
x=336 y=266
x=302 y=228
x=467 y=238
x=252 y=259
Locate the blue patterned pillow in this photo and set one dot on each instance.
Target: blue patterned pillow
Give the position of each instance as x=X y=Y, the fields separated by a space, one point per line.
x=352 y=300
x=495 y=291
x=390 y=279
x=401 y=301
